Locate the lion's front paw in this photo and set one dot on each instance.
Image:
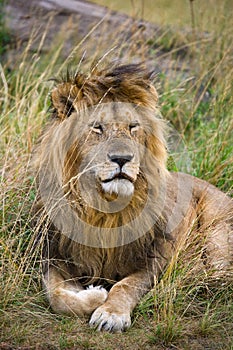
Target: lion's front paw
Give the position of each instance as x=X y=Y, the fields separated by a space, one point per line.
x=92 y=297
x=115 y=322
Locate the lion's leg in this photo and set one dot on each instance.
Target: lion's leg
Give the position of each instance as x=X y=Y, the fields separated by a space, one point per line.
x=114 y=314
x=70 y=298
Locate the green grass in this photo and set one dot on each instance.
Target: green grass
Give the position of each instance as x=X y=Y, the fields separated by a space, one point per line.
x=183 y=311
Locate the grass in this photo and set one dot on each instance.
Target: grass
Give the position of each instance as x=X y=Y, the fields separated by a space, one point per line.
x=196 y=97
x=176 y=13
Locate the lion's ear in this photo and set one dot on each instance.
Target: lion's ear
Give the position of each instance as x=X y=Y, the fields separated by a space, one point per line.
x=63 y=97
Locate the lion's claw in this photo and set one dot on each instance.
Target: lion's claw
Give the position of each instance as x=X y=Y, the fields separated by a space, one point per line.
x=111 y=322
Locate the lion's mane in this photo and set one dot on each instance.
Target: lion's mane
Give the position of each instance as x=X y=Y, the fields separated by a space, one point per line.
x=124 y=84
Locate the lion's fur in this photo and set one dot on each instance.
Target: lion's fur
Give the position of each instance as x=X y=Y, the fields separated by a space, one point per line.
x=149 y=254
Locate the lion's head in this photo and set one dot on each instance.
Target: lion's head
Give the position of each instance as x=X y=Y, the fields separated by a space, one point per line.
x=106 y=145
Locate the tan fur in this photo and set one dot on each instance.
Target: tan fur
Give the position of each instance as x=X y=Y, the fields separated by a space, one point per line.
x=179 y=203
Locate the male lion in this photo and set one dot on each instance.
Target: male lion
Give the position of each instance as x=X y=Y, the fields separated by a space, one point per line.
x=111 y=216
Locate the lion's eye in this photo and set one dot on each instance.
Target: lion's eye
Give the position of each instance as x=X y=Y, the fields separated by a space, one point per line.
x=134 y=126
x=97 y=128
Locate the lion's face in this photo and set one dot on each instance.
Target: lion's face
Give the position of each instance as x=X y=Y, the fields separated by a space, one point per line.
x=116 y=144
x=111 y=155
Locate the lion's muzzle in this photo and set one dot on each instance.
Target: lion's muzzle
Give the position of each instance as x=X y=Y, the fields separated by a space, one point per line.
x=120 y=174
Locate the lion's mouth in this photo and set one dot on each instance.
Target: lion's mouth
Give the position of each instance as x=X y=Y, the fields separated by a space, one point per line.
x=120 y=176
x=120 y=184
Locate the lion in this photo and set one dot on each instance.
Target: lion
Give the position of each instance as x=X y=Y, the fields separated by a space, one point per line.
x=111 y=216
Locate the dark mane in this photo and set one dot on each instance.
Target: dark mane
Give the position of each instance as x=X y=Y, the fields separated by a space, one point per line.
x=126 y=83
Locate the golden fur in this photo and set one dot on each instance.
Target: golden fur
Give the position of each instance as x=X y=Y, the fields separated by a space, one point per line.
x=105 y=148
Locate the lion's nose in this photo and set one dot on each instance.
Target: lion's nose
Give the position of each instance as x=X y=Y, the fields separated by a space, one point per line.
x=120 y=159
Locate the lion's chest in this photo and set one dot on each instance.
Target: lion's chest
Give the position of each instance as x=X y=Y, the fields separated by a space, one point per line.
x=100 y=266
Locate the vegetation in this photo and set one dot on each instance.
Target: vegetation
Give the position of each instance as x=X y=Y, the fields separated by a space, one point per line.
x=196 y=97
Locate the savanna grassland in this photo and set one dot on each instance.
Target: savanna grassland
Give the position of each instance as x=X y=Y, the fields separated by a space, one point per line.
x=195 y=84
